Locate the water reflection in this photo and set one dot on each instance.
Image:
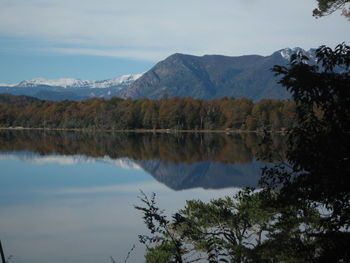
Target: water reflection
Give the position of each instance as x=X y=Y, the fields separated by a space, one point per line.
x=67 y=197
x=180 y=161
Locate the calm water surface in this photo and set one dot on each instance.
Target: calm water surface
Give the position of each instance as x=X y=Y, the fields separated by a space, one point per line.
x=68 y=197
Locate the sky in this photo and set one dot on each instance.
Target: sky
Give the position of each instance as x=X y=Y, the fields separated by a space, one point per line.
x=98 y=40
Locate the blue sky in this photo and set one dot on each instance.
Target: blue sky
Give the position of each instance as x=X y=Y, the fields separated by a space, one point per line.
x=103 y=39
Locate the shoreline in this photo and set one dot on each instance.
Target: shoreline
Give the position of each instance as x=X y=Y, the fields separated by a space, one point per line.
x=227 y=131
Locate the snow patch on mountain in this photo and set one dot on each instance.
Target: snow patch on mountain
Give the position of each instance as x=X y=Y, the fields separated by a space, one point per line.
x=7 y=85
x=121 y=81
x=288 y=52
x=55 y=83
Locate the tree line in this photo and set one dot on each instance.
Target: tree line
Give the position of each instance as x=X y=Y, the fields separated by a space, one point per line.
x=170 y=113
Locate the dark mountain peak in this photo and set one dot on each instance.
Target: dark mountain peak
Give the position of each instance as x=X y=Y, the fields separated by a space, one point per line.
x=178 y=75
x=180 y=55
x=211 y=76
x=179 y=59
x=205 y=59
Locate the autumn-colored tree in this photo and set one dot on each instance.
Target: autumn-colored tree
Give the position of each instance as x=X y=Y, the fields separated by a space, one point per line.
x=173 y=113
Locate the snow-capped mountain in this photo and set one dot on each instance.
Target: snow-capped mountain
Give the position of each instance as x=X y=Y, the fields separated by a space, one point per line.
x=7 y=84
x=286 y=53
x=123 y=80
x=64 y=83
x=68 y=88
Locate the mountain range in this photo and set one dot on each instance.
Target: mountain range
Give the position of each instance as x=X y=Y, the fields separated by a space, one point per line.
x=205 y=77
x=71 y=89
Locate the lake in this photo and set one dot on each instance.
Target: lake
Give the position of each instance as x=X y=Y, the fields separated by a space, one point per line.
x=68 y=197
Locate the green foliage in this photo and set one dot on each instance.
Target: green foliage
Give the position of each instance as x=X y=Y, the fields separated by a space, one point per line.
x=169 y=245
x=223 y=230
x=227 y=228
x=242 y=228
x=319 y=150
x=327 y=7
x=162 y=253
x=320 y=142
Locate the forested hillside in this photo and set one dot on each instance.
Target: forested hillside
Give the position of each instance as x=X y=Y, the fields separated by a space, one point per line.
x=21 y=100
x=174 y=113
x=214 y=76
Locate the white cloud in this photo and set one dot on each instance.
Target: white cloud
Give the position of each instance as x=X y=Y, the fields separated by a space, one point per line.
x=151 y=30
x=142 y=54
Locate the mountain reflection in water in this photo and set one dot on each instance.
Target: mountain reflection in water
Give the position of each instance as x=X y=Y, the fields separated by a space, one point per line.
x=178 y=160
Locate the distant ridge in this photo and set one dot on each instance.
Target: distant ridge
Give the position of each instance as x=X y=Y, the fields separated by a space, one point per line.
x=20 y=100
x=67 y=88
x=76 y=83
